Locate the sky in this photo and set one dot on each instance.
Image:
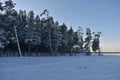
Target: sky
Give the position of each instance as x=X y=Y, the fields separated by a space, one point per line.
x=98 y=15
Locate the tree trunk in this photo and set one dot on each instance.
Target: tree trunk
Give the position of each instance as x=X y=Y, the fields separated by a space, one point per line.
x=29 y=49
x=17 y=41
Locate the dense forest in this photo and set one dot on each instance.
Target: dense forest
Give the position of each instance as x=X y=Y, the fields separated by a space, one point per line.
x=24 y=34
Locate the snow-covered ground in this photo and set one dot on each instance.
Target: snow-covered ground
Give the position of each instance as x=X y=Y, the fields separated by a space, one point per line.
x=60 y=68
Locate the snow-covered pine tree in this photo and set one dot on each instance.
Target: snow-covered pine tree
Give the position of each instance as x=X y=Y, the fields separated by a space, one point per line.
x=44 y=37
x=75 y=42
x=50 y=25
x=88 y=41
x=95 y=42
x=9 y=5
x=36 y=38
x=9 y=18
x=70 y=40
x=38 y=30
x=56 y=37
x=75 y=38
x=63 y=29
x=21 y=29
x=22 y=17
x=46 y=34
x=47 y=23
x=80 y=37
x=22 y=23
x=10 y=23
x=29 y=31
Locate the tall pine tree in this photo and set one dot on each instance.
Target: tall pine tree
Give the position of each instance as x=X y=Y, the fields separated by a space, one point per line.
x=70 y=40
x=64 y=38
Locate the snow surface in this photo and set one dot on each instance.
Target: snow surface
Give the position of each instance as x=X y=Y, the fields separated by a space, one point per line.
x=60 y=68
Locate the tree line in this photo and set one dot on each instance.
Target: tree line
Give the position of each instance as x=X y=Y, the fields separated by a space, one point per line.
x=39 y=37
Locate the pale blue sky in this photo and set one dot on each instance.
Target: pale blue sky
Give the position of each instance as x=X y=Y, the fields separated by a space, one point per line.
x=99 y=15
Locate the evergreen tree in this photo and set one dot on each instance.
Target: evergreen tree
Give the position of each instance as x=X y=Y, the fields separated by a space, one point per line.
x=37 y=31
x=88 y=41
x=22 y=30
x=56 y=37
x=9 y=5
x=22 y=25
x=64 y=38
x=80 y=37
x=50 y=25
x=44 y=37
x=70 y=40
x=95 y=42
x=10 y=23
x=75 y=38
x=36 y=39
x=47 y=24
x=29 y=35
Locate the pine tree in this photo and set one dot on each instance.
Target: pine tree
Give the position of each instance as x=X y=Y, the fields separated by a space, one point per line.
x=22 y=25
x=47 y=24
x=29 y=35
x=95 y=42
x=22 y=29
x=80 y=37
x=56 y=37
x=10 y=23
x=37 y=31
x=9 y=5
x=70 y=40
x=36 y=38
x=50 y=25
x=88 y=41
x=44 y=37
x=64 y=39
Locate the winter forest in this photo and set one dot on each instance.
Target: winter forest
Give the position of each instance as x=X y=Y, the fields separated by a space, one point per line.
x=24 y=34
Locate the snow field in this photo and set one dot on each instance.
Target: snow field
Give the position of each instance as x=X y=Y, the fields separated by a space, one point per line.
x=60 y=68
